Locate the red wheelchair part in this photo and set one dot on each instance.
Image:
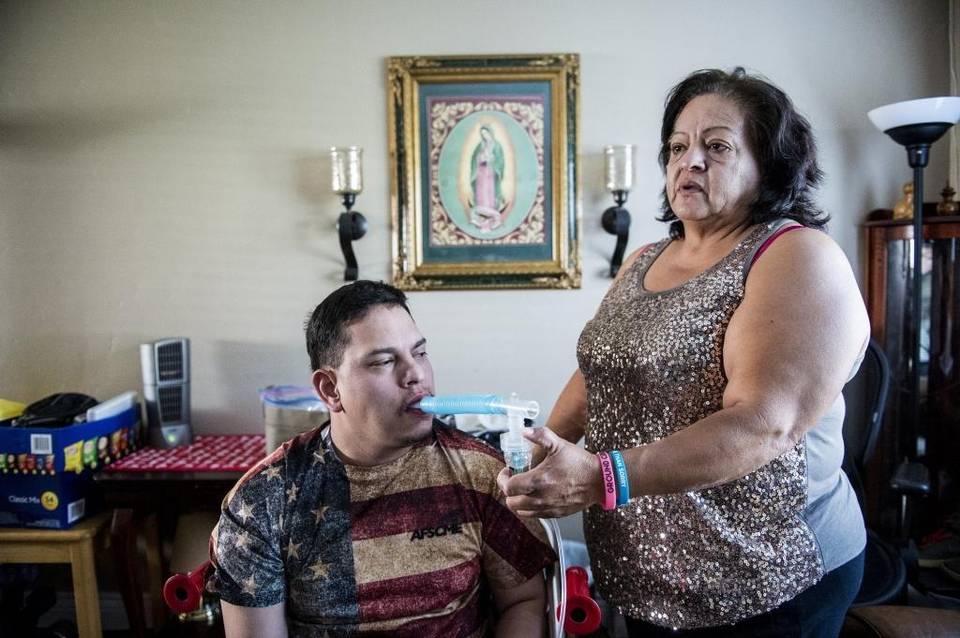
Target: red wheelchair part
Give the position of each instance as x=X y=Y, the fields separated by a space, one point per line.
x=183 y=592
x=583 y=613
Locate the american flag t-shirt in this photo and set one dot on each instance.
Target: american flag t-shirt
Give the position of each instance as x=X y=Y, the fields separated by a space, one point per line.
x=411 y=547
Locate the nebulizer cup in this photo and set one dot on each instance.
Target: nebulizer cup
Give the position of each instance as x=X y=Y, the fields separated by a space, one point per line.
x=510 y=412
x=517 y=450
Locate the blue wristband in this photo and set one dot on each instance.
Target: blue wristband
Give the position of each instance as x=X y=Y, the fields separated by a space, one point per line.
x=620 y=473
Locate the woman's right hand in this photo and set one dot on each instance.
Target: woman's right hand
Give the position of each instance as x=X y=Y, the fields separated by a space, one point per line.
x=539 y=453
x=567 y=481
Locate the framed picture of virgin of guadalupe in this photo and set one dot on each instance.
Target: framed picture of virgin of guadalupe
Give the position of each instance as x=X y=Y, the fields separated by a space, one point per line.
x=484 y=171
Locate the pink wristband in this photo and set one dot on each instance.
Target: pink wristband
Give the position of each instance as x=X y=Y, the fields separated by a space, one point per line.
x=609 y=482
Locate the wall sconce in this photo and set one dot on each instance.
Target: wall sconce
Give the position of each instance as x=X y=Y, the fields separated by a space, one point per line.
x=619 y=178
x=346 y=163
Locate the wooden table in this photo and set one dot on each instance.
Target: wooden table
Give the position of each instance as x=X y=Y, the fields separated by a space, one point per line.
x=73 y=546
x=150 y=489
x=149 y=503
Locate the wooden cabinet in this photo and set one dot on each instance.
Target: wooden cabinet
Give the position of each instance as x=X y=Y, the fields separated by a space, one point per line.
x=935 y=439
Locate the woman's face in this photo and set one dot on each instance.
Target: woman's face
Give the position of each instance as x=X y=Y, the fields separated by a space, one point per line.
x=712 y=174
x=486 y=135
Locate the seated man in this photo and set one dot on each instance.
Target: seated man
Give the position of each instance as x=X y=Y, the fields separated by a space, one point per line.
x=384 y=521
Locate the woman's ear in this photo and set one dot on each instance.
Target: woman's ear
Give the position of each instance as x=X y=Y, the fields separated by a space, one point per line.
x=325 y=383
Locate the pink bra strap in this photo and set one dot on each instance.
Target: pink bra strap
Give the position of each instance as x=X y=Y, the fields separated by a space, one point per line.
x=770 y=240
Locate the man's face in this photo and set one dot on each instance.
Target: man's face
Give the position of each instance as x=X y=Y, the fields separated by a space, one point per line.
x=385 y=369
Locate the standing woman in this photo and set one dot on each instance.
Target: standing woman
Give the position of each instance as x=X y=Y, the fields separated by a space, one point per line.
x=714 y=368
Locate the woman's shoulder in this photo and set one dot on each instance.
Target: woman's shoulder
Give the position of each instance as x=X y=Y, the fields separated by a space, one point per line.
x=650 y=248
x=794 y=242
x=803 y=256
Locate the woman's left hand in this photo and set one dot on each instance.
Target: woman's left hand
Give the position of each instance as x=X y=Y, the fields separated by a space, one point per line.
x=567 y=480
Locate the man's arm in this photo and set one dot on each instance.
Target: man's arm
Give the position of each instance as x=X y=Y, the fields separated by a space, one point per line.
x=254 y=622
x=521 y=609
x=248 y=569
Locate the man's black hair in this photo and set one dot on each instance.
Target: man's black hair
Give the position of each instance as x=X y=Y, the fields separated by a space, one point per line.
x=327 y=334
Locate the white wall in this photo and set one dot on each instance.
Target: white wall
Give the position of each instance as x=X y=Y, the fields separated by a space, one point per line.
x=162 y=168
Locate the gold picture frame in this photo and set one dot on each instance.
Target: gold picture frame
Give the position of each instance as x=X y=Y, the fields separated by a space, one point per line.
x=484 y=184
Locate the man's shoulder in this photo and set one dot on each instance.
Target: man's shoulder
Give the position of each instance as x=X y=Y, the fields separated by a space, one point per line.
x=460 y=443
x=283 y=464
x=473 y=462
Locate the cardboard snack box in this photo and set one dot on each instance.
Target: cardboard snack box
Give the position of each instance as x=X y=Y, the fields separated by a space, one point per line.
x=46 y=474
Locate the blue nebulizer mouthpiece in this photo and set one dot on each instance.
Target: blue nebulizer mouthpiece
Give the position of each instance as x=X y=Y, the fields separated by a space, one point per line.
x=479 y=404
x=517 y=451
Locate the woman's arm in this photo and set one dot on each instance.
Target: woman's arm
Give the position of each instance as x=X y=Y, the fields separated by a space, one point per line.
x=569 y=415
x=789 y=349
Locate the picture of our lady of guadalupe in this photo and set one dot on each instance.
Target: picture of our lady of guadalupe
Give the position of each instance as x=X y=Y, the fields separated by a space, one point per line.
x=486 y=200
x=487 y=167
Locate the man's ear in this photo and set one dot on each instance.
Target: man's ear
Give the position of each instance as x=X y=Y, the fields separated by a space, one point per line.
x=325 y=383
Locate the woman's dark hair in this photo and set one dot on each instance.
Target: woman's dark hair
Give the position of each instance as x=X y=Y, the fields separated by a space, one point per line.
x=326 y=329
x=780 y=138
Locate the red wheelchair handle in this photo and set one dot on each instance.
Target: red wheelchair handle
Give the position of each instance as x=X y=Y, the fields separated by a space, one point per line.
x=583 y=613
x=183 y=592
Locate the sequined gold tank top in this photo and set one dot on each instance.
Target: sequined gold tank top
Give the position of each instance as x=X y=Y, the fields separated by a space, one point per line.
x=652 y=362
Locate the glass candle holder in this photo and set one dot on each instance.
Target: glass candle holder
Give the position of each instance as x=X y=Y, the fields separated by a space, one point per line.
x=619 y=167
x=347 y=169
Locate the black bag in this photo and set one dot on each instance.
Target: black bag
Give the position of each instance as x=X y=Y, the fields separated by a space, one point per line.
x=54 y=411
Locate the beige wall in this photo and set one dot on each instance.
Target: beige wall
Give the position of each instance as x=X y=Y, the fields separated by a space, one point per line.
x=162 y=168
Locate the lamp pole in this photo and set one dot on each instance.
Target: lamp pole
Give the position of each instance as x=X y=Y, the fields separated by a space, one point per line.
x=916 y=125
x=917 y=286
x=917 y=139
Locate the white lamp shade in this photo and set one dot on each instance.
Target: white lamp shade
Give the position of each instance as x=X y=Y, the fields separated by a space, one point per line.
x=925 y=111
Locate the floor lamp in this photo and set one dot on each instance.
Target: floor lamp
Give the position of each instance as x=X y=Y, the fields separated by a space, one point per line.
x=916 y=125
